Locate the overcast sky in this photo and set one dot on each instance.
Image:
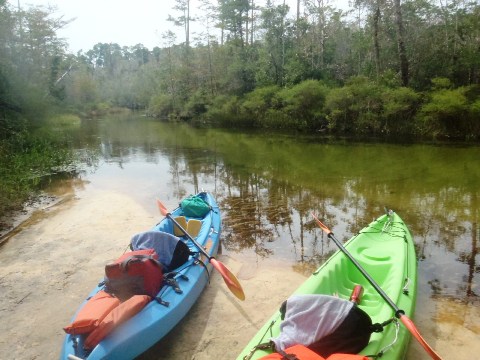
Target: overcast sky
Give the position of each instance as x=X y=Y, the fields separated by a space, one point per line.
x=109 y=21
x=126 y=23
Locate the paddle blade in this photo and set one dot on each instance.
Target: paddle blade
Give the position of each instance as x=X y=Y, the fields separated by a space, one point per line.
x=413 y=330
x=230 y=279
x=162 y=208
x=322 y=225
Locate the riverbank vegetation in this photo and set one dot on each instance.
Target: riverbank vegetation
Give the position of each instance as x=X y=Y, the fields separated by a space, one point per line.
x=401 y=68
x=376 y=68
x=381 y=69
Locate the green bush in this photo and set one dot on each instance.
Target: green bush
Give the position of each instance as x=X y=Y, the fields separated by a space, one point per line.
x=445 y=114
x=338 y=104
x=196 y=105
x=357 y=107
x=399 y=109
x=226 y=111
x=441 y=83
x=259 y=101
x=161 y=106
x=305 y=103
x=277 y=119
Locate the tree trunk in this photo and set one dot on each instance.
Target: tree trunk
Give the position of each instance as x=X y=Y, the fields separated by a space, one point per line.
x=247 y=27
x=376 y=43
x=321 y=32
x=252 y=22
x=187 y=24
x=401 y=44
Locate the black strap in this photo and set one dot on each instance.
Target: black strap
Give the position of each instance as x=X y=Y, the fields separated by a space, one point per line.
x=271 y=346
x=286 y=356
x=169 y=279
x=198 y=261
x=377 y=327
x=162 y=302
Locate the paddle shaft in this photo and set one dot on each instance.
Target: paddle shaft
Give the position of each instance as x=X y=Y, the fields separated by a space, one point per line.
x=230 y=279
x=200 y=247
x=398 y=312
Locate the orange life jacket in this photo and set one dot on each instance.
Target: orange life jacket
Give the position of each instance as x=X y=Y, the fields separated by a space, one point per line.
x=134 y=273
x=347 y=357
x=301 y=352
x=92 y=313
x=117 y=316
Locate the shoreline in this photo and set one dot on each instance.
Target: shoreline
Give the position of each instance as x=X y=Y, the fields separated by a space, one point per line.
x=14 y=222
x=57 y=257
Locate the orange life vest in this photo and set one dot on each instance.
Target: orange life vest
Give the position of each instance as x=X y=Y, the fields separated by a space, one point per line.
x=131 y=282
x=92 y=313
x=134 y=273
x=117 y=316
x=347 y=357
x=301 y=352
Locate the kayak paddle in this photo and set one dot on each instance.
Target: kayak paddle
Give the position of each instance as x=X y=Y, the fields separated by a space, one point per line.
x=230 y=280
x=398 y=313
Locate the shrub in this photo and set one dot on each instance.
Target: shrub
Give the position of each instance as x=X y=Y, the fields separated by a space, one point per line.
x=357 y=107
x=337 y=104
x=445 y=113
x=226 y=111
x=441 y=83
x=305 y=103
x=399 y=109
x=196 y=105
x=259 y=101
x=161 y=105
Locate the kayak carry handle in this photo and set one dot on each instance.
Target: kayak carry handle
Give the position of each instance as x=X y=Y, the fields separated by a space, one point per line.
x=356 y=294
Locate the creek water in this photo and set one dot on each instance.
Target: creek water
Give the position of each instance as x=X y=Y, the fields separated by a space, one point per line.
x=267 y=185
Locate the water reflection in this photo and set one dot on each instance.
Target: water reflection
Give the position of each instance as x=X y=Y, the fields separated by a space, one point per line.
x=267 y=186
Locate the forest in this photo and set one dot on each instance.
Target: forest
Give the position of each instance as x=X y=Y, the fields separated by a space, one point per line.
x=383 y=69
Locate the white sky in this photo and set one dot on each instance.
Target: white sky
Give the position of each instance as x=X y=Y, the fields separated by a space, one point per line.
x=126 y=23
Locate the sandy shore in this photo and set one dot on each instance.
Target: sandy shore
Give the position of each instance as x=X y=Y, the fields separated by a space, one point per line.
x=51 y=264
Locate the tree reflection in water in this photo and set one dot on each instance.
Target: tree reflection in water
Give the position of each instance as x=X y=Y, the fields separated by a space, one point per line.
x=267 y=185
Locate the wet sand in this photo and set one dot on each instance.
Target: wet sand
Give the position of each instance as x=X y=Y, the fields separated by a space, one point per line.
x=51 y=263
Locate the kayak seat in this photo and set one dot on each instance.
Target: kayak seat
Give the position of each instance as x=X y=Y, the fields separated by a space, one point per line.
x=182 y=221
x=376 y=254
x=193 y=227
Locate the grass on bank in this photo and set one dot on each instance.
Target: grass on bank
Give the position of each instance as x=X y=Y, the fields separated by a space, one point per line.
x=28 y=158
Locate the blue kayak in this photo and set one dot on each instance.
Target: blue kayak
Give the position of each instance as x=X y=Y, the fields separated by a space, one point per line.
x=172 y=303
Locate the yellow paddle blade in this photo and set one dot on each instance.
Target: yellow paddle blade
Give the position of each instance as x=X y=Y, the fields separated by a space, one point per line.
x=413 y=330
x=162 y=208
x=230 y=279
x=322 y=225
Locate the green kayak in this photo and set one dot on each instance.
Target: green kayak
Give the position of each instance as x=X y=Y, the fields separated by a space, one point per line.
x=385 y=251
